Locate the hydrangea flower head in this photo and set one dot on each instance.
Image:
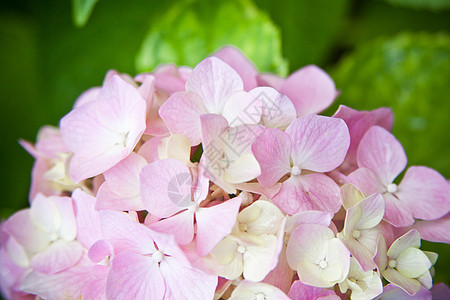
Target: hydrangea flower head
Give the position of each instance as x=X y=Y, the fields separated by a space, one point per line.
x=219 y=182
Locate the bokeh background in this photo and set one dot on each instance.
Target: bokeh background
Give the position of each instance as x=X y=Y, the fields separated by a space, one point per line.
x=393 y=53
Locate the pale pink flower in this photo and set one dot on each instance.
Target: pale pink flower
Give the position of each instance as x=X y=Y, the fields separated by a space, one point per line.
x=363 y=284
x=47 y=232
x=319 y=258
x=50 y=170
x=169 y=191
x=404 y=264
x=227 y=158
x=212 y=88
x=149 y=265
x=277 y=110
x=359 y=234
x=422 y=194
x=103 y=132
x=310 y=144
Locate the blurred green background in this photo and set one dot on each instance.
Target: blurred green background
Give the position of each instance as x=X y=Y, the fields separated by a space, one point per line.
x=393 y=53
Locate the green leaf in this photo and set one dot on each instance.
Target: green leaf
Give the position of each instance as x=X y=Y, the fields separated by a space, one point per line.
x=409 y=73
x=422 y=4
x=82 y=10
x=192 y=30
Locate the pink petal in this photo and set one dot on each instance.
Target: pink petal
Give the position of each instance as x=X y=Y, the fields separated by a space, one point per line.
x=397 y=212
x=277 y=109
x=318 y=143
x=20 y=227
x=242 y=108
x=68 y=284
x=125 y=234
x=15 y=251
x=87 y=218
x=68 y=229
x=214 y=81
x=149 y=150
x=308 y=217
x=147 y=88
x=392 y=292
x=301 y=291
x=269 y=79
x=100 y=250
x=212 y=126
x=134 y=276
x=123 y=178
x=107 y=199
x=368 y=212
x=169 y=79
x=310 y=89
x=272 y=150
x=235 y=59
x=155 y=126
x=409 y=239
x=45 y=216
x=361 y=253
x=186 y=120
x=381 y=152
x=181 y=226
x=166 y=187
x=358 y=123
x=308 y=192
x=39 y=184
x=366 y=181
x=49 y=142
x=440 y=292
x=282 y=275
x=434 y=231
x=211 y=229
x=411 y=286
x=87 y=96
x=426 y=193
x=59 y=256
x=103 y=132
x=121 y=189
x=184 y=282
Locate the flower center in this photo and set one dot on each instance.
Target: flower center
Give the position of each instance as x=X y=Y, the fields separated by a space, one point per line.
x=54 y=236
x=193 y=208
x=224 y=162
x=158 y=256
x=260 y=296
x=243 y=227
x=323 y=264
x=391 y=188
x=356 y=234
x=241 y=249
x=295 y=171
x=392 y=263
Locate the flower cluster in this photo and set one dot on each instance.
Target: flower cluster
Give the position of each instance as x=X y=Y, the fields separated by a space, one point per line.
x=218 y=182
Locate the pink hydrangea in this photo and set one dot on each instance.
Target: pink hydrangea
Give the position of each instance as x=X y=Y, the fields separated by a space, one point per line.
x=219 y=182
